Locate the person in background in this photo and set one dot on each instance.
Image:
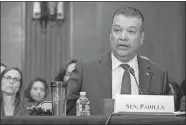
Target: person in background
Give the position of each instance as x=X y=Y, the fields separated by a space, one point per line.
x=115 y=71
x=183 y=87
x=176 y=92
x=35 y=93
x=66 y=70
x=3 y=67
x=183 y=98
x=11 y=84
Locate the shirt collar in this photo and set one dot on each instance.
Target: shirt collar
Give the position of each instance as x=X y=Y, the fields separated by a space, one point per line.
x=116 y=63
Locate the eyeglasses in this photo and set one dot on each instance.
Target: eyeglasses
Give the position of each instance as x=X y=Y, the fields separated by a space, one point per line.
x=15 y=80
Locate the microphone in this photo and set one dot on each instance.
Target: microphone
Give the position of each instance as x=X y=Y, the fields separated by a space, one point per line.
x=131 y=70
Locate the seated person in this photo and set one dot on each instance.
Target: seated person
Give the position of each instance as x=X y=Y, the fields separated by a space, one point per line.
x=183 y=98
x=176 y=91
x=35 y=93
x=115 y=72
x=11 y=84
x=65 y=71
x=183 y=88
x=3 y=67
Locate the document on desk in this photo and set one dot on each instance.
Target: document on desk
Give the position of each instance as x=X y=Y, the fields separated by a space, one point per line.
x=144 y=104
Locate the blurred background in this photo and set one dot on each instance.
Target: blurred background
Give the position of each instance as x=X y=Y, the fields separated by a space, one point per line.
x=39 y=46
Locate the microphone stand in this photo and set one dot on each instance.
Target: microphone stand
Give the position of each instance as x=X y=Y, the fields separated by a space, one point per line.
x=110 y=116
x=131 y=70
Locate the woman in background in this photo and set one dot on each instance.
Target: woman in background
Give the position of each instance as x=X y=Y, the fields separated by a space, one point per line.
x=183 y=88
x=35 y=93
x=176 y=92
x=3 y=67
x=11 y=83
x=183 y=98
x=66 y=70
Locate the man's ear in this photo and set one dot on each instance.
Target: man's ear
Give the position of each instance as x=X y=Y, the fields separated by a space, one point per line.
x=142 y=37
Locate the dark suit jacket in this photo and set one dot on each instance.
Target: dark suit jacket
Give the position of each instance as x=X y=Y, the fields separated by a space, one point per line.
x=95 y=78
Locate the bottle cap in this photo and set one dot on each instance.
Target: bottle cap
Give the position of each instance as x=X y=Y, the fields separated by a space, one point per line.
x=83 y=93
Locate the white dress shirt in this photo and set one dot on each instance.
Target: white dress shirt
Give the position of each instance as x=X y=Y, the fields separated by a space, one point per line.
x=117 y=75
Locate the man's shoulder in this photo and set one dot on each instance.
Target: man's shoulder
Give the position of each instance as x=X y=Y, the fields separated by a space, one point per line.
x=94 y=59
x=153 y=65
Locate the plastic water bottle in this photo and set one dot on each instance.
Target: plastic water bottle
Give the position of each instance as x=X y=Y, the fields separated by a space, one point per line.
x=83 y=105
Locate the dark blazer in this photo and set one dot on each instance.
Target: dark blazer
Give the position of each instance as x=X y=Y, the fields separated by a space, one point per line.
x=95 y=78
x=183 y=98
x=176 y=92
x=183 y=87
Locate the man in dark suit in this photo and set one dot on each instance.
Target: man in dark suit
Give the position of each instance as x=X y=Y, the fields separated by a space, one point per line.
x=102 y=77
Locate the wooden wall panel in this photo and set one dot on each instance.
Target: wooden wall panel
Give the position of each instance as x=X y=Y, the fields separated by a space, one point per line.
x=12 y=33
x=45 y=48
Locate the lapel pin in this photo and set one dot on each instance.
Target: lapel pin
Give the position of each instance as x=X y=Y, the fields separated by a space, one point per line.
x=147 y=73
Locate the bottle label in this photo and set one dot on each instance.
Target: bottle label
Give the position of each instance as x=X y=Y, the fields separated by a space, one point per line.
x=55 y=98
x=82 y=107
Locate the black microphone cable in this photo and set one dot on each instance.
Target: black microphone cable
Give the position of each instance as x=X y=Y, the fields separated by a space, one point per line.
x=113 y=114
x=131 y=70
x=109 y=118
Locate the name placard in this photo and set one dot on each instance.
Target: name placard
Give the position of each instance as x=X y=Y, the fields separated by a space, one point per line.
x=144 y=103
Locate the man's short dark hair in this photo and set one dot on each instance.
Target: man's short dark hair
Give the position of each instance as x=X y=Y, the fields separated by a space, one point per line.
x=130 y=12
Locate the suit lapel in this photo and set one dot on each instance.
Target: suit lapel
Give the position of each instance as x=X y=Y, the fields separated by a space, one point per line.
x=104 y=69
x=145 y=74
